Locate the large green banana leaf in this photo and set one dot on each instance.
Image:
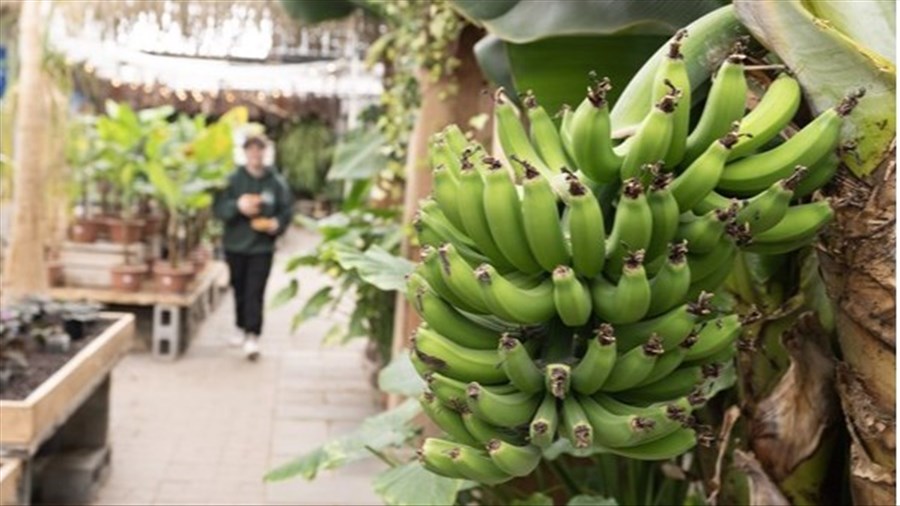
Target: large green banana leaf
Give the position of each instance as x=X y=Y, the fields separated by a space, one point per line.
x=829 y=64
x=549 y=47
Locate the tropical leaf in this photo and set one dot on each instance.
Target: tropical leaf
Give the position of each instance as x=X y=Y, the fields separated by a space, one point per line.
x=871 y=24
x=829 y=65
x=400 y=377
x=411 y=484
x=528 y=21
x=312 y=307
x=535 y=499
x=285 y=294
x=384 y=430
x=377 y=267
x=358 y=156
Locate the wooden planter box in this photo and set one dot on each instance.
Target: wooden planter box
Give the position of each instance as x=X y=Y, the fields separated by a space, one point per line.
x=25 y=424
x=10 y=479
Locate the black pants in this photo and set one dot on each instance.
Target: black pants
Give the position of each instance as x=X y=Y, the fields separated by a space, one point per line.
x=249 y=274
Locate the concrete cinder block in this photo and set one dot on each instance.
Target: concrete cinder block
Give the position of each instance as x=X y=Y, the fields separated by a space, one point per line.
x=71 y=477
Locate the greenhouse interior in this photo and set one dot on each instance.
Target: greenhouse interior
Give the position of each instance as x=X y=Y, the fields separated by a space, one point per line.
x=239 y=265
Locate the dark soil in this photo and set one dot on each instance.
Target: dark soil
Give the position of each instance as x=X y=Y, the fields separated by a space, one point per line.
x=42 y=365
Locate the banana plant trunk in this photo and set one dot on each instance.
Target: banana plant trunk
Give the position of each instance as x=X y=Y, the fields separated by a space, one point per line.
x=453 y=98
x=25 y=269
x=858 y=265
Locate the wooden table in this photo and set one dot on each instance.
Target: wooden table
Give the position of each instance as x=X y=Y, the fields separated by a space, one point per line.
x=174 y=315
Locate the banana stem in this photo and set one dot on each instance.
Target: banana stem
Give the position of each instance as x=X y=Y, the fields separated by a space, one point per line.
x=741 y=281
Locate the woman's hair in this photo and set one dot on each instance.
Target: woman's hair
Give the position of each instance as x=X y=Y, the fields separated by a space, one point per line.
x=255 y=140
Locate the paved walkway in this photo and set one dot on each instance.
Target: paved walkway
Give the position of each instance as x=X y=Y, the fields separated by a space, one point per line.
x=204 y=429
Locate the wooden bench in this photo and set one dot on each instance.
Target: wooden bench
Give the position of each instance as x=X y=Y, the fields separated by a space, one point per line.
x=175 y=316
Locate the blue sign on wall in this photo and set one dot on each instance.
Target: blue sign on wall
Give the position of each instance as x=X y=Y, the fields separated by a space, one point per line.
x=3 y=70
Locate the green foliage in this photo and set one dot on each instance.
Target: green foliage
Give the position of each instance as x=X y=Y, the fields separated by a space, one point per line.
x=829 y=64
x=549 y=48
x=385 y=430
x=410 y=484
x=399 y=377
x=303 y=153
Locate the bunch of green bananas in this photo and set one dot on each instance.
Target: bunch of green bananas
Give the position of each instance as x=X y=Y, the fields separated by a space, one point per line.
x=567 y=296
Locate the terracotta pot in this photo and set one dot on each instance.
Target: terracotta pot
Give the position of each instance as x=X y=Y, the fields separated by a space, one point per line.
x=171 y=280
x=103 y=222
x=56 y=274
x=200 y=257
x=84 y=230
x=128 y=278
x=125 y=232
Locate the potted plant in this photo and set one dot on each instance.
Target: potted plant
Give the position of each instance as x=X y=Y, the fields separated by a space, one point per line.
x=82 y=153
x=194 y=163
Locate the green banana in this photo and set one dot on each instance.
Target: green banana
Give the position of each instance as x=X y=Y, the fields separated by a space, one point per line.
x=445 y=192
x=773 y=112
x=704 y=233
x=504 y=216
x=558 y=379
x=475 y=465
x=669 y=361
x=446 y=320
x=814 y=142
x=544 y=136
x=540 y=220
x=513 y=303
x=586 y=230
x=435 y=456
x=765 y=210
x=712 y=201
x=664 y=212
x=672 y=75
x=627 y=301
x=713 y=280
x=590 y=135
x=513 y=138
x=502 y=410
x=799 y=226
x=472 y=213
x=702 y=175
x=484 y=432
x=632 y=226
x=702 y=265
x=514 y=460
x=455 y=138
x=819 y=174
x=421 y=367
x=571 y=296
x=664 y=448
x=575 y=424
x=670 y=285
x=440 y=154
x=679 y=383
x=431 y=270
x=651 y=141
x=542 y=429
x=458 y=362
x=631 y=427
x=452 y=392
x=715 y=336
x=565 y=130
x=446 y=419
x=592 y=371
x=459 y=277
x=519 y=367
x=429 y=217
x=725 y=105
x=633 y=366
x=672 y=327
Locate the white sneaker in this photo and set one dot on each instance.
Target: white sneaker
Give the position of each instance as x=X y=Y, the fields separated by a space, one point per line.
x=251 y=348
x=237 y=340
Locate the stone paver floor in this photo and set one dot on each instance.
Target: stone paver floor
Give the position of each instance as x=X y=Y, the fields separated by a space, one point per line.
x=205 y=428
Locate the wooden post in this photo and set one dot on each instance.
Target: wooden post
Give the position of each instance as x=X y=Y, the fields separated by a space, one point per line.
x=25 y=271
x=441 y=106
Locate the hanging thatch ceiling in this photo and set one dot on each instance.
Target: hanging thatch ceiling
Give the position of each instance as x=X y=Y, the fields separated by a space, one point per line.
x=195 y=20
